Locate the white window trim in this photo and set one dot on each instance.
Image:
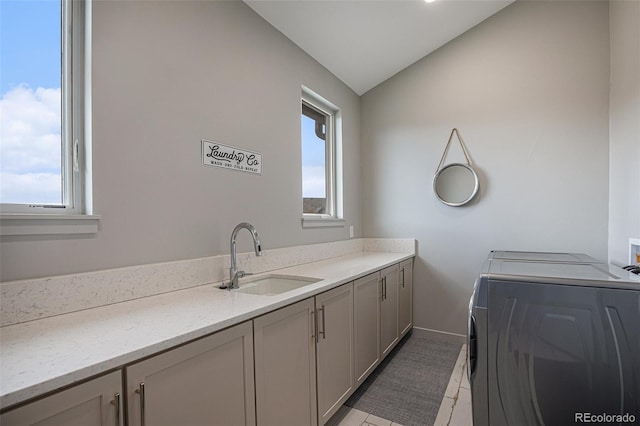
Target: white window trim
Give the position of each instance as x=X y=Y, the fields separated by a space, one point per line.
x=47 y=224
x=322 y=221
x=334 y=164
x=75 y=215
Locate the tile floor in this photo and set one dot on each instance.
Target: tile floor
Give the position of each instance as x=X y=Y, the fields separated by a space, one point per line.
x=455 y=409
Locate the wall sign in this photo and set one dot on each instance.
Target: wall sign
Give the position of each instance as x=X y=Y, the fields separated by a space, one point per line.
x=229 y=157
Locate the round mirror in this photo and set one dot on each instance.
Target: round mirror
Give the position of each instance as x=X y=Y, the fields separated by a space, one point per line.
x=456 y=184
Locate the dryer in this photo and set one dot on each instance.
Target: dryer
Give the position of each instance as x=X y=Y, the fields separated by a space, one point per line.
x=552 y=343
x=539 y=256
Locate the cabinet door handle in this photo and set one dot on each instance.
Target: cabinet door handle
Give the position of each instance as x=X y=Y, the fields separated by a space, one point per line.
x=116 y=403
x=314 y=321
x=384 y=286
x=381 y=289
x=140 y=391
x=402 y=277
x=324 y=326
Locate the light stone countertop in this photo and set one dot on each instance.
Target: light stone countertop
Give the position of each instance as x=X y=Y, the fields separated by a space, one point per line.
x=41 y=356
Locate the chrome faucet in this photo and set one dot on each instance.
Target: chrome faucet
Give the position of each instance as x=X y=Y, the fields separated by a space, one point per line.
x=234 y=274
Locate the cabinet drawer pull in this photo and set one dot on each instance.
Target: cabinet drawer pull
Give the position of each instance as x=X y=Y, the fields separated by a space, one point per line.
x=140 y=391
x=116 y=403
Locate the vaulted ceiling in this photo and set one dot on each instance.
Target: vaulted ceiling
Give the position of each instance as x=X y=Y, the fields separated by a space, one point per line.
x=364 y=42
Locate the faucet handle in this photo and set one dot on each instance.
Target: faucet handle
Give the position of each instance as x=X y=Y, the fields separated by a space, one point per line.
x=229 y=285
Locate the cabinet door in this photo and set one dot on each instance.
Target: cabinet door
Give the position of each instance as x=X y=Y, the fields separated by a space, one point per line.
x=405 y=297
x=389 y=310
x=206 y=382
x=94 y=403
x=334 y=349
x=285 y=366
x=366 y=325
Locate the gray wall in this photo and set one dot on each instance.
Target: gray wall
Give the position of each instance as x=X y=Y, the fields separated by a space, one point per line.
x=528 y=90
x=624 y=129
x=165 y=76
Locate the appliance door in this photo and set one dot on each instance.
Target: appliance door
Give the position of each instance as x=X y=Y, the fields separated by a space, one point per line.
x=557 y=352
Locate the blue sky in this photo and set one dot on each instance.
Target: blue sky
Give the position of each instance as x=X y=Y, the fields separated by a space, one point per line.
x=30 y=158
x=313 y=161
x=30 y=43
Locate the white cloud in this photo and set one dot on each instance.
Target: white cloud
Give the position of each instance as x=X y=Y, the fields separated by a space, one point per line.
x=30 y=148
x=313 y=182
x=40 y=188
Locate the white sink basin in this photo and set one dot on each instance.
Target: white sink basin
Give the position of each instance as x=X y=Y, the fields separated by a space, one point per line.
x=270 y=285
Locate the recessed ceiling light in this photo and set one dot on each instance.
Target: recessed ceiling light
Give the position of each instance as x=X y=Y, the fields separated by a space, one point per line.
x=429 y=1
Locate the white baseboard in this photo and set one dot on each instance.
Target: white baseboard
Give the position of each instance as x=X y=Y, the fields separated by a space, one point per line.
x=439 y=335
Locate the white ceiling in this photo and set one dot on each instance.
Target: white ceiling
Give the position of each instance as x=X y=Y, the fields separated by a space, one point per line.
x=364 y=42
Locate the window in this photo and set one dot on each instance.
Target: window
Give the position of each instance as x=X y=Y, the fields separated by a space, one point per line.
x=320 y=160
x=43 y=144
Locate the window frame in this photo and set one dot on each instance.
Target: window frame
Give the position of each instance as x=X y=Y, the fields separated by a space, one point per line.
x=333 y=163
x=74 y=215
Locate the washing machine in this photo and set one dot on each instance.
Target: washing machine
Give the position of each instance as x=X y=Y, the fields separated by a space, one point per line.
x=554 y=343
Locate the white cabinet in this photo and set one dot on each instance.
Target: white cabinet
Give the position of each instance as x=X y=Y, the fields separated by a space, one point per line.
x=285 y=366
x=378 y=301
x=389 y=309
x=205 y=382
x=293 y=366
x=334 y=349
x=97 y=402
x=405 y=297
x=304 y=359
x=366 y=325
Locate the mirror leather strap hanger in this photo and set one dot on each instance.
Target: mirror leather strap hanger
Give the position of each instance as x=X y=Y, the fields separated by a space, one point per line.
x=446 y=149
x=448 y=177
